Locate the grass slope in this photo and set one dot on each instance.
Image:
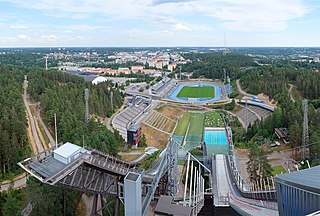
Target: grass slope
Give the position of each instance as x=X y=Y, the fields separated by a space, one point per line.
x=194 y=136
x=182 y=125
x=196 y=123
x=213 y=119
x=197 y=92
x=277 y=170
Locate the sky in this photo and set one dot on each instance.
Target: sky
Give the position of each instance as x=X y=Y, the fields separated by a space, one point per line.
x=153 y=23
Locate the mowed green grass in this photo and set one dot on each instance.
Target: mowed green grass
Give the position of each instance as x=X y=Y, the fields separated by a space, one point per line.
x=196 y=124
x=182 y=125
x=277 y=170
x=213 y=119
x=196 y=92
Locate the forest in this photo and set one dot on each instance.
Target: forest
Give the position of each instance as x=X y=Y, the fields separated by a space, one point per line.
x=63 y=94
x=13 y=138
x=58 y=93
x=211 y=65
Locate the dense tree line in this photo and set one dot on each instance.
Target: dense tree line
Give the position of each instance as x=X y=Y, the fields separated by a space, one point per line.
x=63 y=94
x=13 y=138
x=273 y=81
x=211 y=65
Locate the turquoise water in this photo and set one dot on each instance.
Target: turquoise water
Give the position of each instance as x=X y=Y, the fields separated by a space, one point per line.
x=215 y=137
x=216 y=142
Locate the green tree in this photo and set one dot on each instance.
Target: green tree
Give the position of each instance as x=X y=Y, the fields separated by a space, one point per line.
x=258 y=165
x=143 y=142
x=11 y=206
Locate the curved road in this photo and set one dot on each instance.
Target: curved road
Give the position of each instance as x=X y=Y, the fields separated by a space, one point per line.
x=241 y=91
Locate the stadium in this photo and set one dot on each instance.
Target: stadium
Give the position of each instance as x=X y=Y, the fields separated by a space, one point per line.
x=196 y=92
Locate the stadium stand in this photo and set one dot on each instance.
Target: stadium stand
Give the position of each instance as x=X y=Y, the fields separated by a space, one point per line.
x=127 y=117
x=250 y=114
x=247 y=117
x=263 y=113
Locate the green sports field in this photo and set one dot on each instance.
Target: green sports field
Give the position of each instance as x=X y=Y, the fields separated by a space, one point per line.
x=196 y=92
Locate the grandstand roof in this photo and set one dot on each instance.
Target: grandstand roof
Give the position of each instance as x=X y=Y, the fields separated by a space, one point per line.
x=307 y=179
x=99 y=79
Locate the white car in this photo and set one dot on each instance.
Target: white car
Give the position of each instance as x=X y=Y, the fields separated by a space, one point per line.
x=277 y=143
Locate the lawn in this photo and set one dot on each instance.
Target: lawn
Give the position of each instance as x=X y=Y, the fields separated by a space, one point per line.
x=196 y=92
x=277 y=170
x=196 y=124
x=213 y=119
x=182 y=125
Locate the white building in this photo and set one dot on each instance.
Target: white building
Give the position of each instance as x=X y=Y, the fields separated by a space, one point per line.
x=98 y=80
x=68 y=153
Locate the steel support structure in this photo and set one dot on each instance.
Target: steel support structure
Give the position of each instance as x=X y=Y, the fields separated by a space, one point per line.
x=172 y=162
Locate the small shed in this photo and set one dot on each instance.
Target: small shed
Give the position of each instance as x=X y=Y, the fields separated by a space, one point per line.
x=67 y=153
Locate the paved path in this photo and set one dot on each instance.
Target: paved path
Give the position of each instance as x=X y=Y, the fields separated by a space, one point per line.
x=241 y=91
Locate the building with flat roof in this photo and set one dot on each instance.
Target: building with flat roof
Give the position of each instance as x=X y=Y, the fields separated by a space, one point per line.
x=124 y=70
x=134 y=135
x=135 y=69
x=67 y=153
x=298 y=193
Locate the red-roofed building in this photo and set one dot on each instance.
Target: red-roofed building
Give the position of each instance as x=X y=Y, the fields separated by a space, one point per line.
x=135 y=69
x=159 y=65
x=172 y=66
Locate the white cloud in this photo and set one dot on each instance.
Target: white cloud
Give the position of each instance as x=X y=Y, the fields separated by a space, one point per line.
x=23 y=37
x=18 y=26
x=254 y=15
x=181 y=27
x=83 y=27
x=151 y=21
x=241 y=15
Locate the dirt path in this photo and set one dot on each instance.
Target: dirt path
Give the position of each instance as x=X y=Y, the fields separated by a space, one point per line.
x=32 y=121
x=290 y=93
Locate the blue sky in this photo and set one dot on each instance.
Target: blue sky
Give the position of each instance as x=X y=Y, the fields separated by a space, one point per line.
x=48 y=23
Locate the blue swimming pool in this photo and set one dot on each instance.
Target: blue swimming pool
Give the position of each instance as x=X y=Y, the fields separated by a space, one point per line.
x=216 y=142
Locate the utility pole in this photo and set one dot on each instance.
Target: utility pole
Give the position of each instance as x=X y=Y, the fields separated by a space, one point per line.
x=305 y=133
x=225 y=44
x=46 y=58
x=86 y=96
x=111 y=99
x=55 y=129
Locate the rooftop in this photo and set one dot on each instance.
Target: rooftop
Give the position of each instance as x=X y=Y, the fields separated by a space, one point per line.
x=307 y=179
x=67 y=149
